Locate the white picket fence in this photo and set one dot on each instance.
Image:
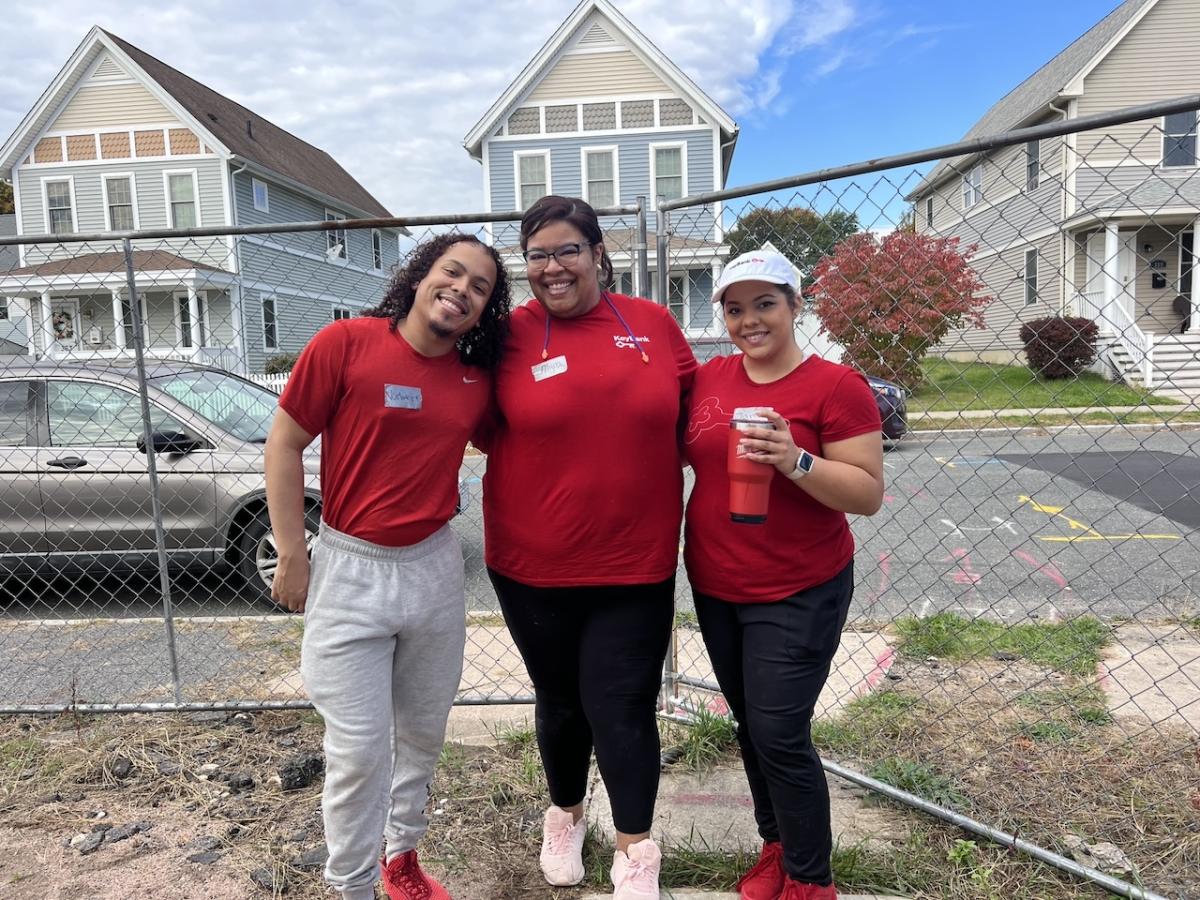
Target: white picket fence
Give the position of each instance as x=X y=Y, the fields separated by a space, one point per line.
x=274 y=383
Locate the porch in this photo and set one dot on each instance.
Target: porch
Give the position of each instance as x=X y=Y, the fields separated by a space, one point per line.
x=80 y=309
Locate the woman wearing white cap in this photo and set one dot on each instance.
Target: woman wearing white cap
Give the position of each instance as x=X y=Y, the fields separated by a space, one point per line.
x=772 y=598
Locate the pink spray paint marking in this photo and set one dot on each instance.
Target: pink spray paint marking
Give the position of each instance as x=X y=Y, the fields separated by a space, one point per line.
x=883 y=662
x=717 y=706
x=964 y=572
x=1048 y=568
x=885 y=580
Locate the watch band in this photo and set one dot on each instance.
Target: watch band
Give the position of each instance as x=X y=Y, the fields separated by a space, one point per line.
x=804 y=464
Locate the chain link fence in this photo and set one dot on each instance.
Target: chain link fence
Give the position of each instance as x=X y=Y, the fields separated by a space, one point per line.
x=1024 y=644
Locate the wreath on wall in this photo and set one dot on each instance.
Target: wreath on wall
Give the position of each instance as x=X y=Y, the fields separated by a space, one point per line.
x=64 y=326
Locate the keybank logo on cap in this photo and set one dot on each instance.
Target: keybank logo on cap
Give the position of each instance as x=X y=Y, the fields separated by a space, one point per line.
x=744 y=261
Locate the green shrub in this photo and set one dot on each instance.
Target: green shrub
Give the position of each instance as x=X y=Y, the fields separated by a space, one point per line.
x=280 y=363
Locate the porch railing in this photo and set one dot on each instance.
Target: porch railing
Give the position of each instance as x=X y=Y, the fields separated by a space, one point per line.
x=220 y=357
x=1115 y=321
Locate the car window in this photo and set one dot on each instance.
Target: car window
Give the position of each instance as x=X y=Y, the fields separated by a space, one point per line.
x=14 y=413
x=242 y=408
x=98 y=415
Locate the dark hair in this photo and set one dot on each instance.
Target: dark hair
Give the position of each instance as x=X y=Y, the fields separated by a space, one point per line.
x=482 y=345
x=553 y=208
x=789 y=294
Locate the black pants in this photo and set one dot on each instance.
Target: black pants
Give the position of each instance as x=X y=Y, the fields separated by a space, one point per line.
x=595 y=656
x=771 y=660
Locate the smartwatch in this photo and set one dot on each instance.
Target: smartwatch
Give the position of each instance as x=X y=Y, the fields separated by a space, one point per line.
x=804 y=464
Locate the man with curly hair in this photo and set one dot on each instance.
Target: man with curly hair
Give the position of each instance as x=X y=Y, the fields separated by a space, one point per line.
x=394 y=395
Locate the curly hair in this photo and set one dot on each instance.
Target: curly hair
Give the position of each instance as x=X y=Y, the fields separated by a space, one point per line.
x=482 y=345
x=579 y=213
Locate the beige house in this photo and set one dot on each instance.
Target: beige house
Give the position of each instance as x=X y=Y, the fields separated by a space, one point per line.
x=1101 y=223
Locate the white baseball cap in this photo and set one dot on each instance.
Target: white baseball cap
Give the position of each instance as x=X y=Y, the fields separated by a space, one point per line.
x=758 y=265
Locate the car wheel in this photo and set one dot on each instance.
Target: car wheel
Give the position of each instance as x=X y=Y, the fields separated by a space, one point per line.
x=258 y=556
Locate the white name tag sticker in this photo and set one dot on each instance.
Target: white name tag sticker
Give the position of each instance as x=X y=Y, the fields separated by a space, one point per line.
x=401 y=396
x=549 y=368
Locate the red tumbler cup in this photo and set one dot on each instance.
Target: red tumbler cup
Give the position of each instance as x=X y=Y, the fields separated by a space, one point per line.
x=749 y=481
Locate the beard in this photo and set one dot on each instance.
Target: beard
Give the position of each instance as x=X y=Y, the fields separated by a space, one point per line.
x=441 y=331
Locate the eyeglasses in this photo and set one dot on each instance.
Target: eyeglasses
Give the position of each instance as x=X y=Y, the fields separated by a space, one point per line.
x=566 y=255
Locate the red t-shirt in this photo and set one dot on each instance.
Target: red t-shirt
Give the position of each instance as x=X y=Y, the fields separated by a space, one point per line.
x=393 y=426
x=803 y=543
x=583 y=483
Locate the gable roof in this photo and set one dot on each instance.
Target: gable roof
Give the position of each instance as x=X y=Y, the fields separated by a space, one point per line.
x=638 y=43
x=1033 y=95
x=226 y=124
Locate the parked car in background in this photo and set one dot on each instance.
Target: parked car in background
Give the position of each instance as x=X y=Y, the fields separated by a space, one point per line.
x=74 y=470
x=893 y=408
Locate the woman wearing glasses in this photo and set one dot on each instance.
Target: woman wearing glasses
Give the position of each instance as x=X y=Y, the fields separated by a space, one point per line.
x=582 y=507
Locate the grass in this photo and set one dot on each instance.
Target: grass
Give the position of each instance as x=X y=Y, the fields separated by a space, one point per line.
x=1042 y=420
x=1082 y=705
x=871 y=717
x=952 y=386
x=920 y=779
x=705 y=741
x=1072 y=647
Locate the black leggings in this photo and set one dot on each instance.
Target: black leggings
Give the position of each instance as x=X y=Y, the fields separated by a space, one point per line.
x=771 y=660
x=595 y=656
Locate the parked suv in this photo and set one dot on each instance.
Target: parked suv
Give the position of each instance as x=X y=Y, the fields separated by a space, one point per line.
x=74 y=472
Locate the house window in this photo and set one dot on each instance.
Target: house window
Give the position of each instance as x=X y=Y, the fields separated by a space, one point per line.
x=376 y=250
x=340 y=312
x=184 y=306
x=335 y=239
x=1179 y=139
x=600 y=176
x=677 y=298
x=1186 y=245
x=262 y=201
x=972 y=187
x=181 y=199
x=929 y=212
x=1031 y=277
x=624 y=283
x=1033 y=164
x=60 y=211
x=118 y=203
x=3 y=308
x=270 y=339
x=667 y=171
x=533 y=177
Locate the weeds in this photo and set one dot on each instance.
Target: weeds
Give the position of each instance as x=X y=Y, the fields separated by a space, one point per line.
x=706 y=740
x=920 y=779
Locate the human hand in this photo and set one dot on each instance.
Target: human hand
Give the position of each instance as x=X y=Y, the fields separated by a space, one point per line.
x=290 y=586
x=775 y=446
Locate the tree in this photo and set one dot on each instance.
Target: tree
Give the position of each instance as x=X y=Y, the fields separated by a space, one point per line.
x=888 y=301
x=6 y=198
x=801 y=234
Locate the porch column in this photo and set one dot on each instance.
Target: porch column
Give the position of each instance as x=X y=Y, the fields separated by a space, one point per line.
x=118 y=315
x=1194 y=325
x=194 y=317
x=47 y=323
x=237 y=322
x=30 y=328
x=1112 y=283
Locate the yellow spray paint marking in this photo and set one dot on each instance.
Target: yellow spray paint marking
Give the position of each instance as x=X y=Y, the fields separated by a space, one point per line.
x=945 y=462
x=1090 y=534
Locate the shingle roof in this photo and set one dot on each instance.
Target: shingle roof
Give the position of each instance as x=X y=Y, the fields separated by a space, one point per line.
x=1032 y=94
x=252 y=137
x=102 y=263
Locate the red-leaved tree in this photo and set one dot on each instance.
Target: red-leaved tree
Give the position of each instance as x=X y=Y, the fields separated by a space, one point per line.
x=888 y=301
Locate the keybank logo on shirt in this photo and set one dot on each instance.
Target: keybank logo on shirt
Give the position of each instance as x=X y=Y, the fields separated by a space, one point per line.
x=624 y=340
x=399 y=396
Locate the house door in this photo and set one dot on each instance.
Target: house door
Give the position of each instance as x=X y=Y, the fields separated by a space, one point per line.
x=1126 y=271
x=64 y=323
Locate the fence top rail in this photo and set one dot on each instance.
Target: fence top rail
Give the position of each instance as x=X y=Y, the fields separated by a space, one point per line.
x=946 y=151
x=287 y=227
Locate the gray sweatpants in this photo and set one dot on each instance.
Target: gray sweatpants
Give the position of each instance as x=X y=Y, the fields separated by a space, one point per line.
x=384 y=629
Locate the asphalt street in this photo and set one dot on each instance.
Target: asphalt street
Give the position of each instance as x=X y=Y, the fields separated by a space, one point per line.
x=1008 y=525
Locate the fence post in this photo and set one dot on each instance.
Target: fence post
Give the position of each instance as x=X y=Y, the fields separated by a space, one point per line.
x=641 y=286
x=160 y=538
x=663 y=235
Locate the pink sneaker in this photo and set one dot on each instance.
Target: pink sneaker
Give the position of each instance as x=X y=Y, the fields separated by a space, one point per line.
x=562 y=847
x=635 y=874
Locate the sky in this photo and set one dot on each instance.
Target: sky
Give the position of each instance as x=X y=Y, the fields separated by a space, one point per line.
x=390 y=89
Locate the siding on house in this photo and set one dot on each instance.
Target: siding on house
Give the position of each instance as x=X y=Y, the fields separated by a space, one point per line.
x=1158 y=59
x=297 y=319
x=98 y=105
x=597 y=74
x=1154 y=304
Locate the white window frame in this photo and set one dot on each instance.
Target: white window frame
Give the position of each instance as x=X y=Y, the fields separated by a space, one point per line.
x=3 y=309
x=113 y=176
x=262 y=309
x=1033 y=165
x=166 y=175
x=331 y=238
x=518 y=155
x=1195 y=132
x=1032 y=296
x=202 y=303
x=255 y=184
x=376 y=250
x=614 y=151
x=681 y=146
x=342 y=312
x=929 y=212
x=49 y=179
x=972 y=187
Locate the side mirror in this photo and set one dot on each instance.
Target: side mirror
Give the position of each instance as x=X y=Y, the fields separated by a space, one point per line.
x=170 y=442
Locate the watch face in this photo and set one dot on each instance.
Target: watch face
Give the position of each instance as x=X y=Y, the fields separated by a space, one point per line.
x=805 y=462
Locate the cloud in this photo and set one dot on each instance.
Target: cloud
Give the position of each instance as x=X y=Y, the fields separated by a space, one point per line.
x=388 y=89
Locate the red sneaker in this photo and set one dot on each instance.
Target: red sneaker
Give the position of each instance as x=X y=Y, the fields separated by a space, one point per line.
x=764 y=880
x=404 y=880
x=799 y=890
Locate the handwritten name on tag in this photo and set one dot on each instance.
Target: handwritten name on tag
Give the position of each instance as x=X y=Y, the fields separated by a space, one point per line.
x=549 y=368
x=399 y=396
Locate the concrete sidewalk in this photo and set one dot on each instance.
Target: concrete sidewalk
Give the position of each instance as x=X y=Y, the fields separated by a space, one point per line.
x=940 y=414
